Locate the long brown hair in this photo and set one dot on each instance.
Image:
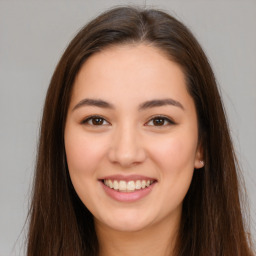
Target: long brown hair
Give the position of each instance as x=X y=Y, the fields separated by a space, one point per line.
x=212 y=222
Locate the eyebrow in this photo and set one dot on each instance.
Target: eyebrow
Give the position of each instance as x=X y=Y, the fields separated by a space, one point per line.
x=145 y=105
x=93 y=102
x=160 y=103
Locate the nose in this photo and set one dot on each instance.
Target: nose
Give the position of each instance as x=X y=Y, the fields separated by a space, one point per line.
x=127 y=147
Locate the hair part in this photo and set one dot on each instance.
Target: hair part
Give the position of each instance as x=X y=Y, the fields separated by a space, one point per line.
x=212 y=222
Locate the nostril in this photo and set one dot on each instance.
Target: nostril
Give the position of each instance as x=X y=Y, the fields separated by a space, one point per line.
x=127 y=158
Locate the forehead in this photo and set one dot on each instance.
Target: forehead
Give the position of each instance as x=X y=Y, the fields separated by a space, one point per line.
x=130 y=71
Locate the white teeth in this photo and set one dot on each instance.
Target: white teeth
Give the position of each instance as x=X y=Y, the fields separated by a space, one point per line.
x=122 y=185
x=110 y=184
x=138 y=184
x=129 y=186
x=115 y=185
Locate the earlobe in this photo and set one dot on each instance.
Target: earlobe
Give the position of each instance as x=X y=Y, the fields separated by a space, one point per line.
x=199 y=162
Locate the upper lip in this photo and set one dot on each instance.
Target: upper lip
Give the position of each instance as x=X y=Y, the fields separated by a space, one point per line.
x=127 y=177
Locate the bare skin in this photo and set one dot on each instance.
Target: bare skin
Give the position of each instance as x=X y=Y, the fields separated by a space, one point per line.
x=154 y=242
x=131 y=119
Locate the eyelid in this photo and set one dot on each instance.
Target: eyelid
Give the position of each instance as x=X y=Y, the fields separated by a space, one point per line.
x=89 y=118
x=165 y=118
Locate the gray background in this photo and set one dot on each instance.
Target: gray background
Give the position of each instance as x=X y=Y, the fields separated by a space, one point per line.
x=34 y=34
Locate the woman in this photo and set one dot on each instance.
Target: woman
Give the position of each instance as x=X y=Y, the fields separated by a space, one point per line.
x=135 y=155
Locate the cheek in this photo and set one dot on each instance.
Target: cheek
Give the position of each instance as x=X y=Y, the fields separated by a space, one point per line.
x=83 y=153
x=83 y=156
x=175 y=159
x=175 y=153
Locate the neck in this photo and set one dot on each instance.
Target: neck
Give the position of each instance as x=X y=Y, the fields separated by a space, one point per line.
x=157 y=240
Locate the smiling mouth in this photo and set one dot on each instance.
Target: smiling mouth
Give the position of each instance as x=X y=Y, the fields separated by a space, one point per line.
x=128 y=186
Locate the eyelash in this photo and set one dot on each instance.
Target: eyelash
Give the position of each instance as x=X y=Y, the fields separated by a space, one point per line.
x=89 y=121
x=167 y=121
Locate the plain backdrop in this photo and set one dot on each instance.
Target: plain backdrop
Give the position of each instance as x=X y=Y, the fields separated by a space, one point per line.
x=34 y=34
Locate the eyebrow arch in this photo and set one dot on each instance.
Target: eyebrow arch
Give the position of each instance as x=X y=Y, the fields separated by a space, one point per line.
x=148 y=104
x=159 y=103
x=93 y=102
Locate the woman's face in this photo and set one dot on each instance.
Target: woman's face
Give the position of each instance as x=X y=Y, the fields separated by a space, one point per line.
x=131 y=137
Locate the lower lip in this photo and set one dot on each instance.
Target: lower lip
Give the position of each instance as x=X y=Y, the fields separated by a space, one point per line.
x=127 y=196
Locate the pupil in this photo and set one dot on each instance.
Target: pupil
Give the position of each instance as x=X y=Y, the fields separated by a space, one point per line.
x=97 y=121
x=158 y=121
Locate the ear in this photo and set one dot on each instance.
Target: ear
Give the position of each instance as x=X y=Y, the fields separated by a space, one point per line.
x=199 y=157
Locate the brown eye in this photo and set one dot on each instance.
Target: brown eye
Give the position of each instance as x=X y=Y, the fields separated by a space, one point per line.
x=95 y=121
x=160 y=121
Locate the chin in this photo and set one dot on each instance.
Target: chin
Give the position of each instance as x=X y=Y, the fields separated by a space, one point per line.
x=125 y=222
x=127 y=226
